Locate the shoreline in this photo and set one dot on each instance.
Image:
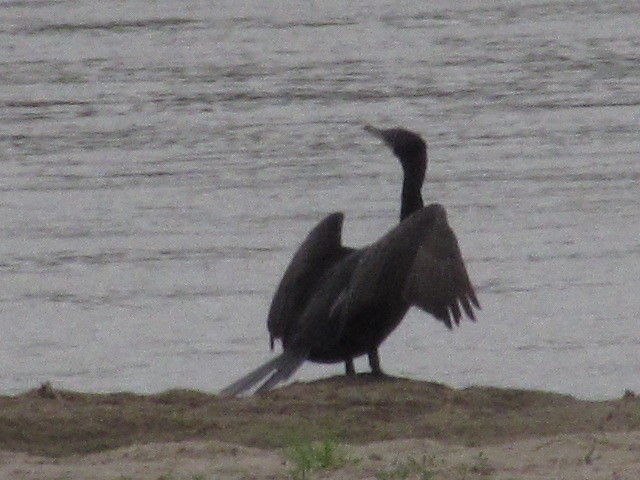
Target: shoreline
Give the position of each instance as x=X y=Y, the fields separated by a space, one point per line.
x=373 y=427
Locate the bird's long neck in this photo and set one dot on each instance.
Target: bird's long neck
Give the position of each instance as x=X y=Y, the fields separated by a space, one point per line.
x=411 y=195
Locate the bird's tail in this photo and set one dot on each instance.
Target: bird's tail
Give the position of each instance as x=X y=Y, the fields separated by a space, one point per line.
x=277 y=370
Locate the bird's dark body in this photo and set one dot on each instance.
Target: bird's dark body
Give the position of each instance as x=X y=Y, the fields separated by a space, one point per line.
x=359 y=300
x=367 y=329
x=337 y=335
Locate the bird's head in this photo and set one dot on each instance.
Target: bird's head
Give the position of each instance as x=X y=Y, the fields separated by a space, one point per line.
x=408 y=146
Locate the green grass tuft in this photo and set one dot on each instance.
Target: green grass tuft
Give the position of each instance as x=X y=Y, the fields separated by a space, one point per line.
x=307 y=457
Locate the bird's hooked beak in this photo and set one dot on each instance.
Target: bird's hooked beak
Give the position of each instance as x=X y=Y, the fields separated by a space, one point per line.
x=380 y=134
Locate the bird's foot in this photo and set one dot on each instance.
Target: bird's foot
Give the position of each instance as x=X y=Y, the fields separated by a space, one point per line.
x=350 y=369
x=374 y=363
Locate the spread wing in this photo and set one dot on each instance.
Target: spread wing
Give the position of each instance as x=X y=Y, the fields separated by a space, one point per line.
x=318 y=252
x=438 y=281
x=417 y=262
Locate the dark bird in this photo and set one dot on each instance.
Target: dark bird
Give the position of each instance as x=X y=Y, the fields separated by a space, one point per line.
x=323 y=246
x=336 y=303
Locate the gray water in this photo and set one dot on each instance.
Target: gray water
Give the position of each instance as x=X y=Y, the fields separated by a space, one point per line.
x=161 y=160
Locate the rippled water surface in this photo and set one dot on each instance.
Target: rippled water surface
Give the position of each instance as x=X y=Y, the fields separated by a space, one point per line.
x=161 y=160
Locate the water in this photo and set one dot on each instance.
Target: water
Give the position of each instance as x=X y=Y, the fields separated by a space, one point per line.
x=161 y=160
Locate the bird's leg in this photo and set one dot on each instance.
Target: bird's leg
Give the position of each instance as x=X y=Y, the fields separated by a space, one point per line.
x=350 y=370
x=374 y=363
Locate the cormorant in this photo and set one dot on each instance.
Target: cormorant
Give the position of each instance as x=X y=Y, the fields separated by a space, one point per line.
x=323 y=248
x=336 y=303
